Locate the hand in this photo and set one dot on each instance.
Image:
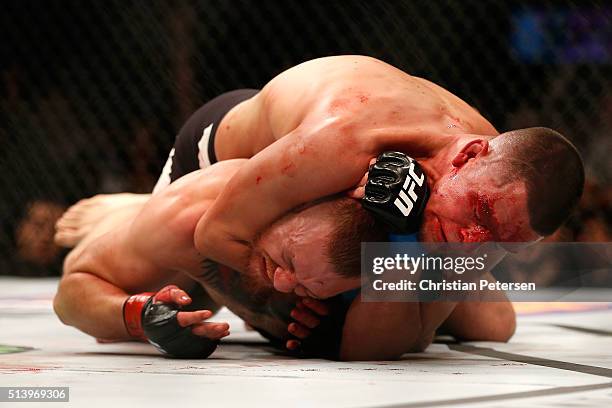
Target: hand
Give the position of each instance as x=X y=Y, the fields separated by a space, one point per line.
x=157 y=317
x=195 y=319
x=307 y=315
x=359 y=192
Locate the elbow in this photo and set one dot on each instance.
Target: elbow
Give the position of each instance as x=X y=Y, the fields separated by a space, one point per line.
x=506 y=330
x=387 y=352
x=208 y=237
x=64 y=306
x=60 y=306
x=500 y=327
x=202 y=237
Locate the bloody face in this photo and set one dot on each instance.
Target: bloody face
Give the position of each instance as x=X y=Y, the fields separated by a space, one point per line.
x=472 y=204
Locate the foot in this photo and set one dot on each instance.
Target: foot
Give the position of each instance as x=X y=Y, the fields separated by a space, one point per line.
x=80 y=219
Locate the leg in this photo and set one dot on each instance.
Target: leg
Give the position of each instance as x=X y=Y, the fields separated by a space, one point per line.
x=96 y=215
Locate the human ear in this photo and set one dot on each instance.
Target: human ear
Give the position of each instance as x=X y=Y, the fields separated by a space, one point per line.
x=470 y=150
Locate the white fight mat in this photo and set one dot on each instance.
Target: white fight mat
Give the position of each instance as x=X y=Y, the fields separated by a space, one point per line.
x=561 y=358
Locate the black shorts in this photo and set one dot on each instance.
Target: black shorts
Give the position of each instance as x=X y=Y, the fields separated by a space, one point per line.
x=194 y=147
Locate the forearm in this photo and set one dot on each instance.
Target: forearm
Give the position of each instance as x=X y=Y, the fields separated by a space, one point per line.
x=433 y=315
x=296 y=169
x=381 y=331
x=92 y=305
x=486 y=316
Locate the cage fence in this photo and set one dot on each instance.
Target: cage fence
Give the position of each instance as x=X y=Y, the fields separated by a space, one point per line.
x=94 y=92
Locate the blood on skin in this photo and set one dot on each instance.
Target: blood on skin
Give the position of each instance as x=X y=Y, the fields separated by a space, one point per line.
x=486 y=211
x=477 y=233
x=485 y=206
x=394 y=115
x=287 y=167
x=338 y=104
x=258 y=179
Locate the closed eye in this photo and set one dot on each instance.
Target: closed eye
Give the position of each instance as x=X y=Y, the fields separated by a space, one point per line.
x=309 y=293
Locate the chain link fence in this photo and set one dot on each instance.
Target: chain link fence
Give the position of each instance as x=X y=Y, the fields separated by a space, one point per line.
x=93 y=92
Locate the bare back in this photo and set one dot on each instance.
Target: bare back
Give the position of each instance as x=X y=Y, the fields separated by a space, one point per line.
x=372 y=94
x=311 y=133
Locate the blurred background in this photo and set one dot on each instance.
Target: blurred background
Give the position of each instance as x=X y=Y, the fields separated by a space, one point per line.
x=93 y=92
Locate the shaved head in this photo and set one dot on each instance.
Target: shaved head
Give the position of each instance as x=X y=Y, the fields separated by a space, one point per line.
x=551 y=168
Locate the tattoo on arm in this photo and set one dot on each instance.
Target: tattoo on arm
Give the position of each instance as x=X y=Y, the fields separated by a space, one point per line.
x=247 y=297
x=268 y=310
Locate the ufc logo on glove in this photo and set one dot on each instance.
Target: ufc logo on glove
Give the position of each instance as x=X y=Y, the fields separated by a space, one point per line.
x=396 y=191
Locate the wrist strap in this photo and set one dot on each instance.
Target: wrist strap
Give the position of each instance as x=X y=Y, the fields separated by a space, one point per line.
x=132 y=313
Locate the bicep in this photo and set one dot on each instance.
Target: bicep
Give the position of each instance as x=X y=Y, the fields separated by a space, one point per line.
x=300 y=167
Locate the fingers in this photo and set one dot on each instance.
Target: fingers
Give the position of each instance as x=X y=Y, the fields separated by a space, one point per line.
x=305 y=317
x=188 y=318
x=292 y=344
x=357 y=193
x=210 y=330
x=213 y=331
x=316 y=306
x=173 y=294
x=363 y=181
x=298 y=330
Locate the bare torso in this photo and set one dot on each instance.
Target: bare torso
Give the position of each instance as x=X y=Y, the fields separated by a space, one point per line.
x=312 y=131
x=368 y=97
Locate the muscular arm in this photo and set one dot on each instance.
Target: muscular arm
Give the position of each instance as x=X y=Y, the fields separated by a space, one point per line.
x=94 y=286
x=98 y=278
x=312 y=131
x=300 y=167
x=144 y=253
x=387 y=330
x=92 y=305
x=410 y=327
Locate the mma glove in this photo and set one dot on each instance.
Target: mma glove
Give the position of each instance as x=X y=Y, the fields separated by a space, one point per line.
x=146 y=317
x=396 y=192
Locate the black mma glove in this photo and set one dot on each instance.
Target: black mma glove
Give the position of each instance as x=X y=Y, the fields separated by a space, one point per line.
x=396 y=192
x=156 y=321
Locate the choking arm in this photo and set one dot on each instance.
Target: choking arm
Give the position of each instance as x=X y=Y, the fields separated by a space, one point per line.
x=300 y=167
